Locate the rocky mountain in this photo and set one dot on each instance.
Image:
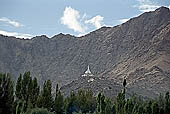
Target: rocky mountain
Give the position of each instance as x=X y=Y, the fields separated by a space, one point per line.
x=101 y=84
x=138 y=50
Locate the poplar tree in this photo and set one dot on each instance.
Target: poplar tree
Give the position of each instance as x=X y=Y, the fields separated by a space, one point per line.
x=35 y=92
x=59 y=103
x=155 y=108
x=167 y=103
x=45 y=99
x=6 y=94
x=18 y=88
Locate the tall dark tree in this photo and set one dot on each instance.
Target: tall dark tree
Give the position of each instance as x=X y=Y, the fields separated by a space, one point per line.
x=20 y=107
x=45 y=99
x=103 y=104
x=155 y=108
x=35 y=92
x=128 y=107
x=38 y=111
x=147 y=107
x=56 y=90
x=100 y=104
x=59 y=103
x=24 y=89
x=27 y=90
x=120 y=102
x=109 y=109
x=6 y=94
x=18 y=88
x=90 y=102
x=26 y=86
x=136 y=109
x=70 y=104
x=167 y=103
x=124 y=82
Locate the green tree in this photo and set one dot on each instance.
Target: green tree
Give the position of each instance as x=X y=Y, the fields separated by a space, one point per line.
x=85 y=101
x=135 y=109
x=81 y=101
x=20 y=107
x=109 y=109
x=103 y=104
x=38 y=111
x=161 y=111
x=6 y=94
x=128 y=107
x=161 y=101
x=78 y=112
x=141 y=109
x=27 y=90
x=147 y=107
x=167 y=103
x=45 y=100
x=18 y=88
x=90 y=102
x=124 y=82
x=35 y=92
x=120 y=102
x=59 y=102
x=70 y=104
x=155 y=108
x=100 y=104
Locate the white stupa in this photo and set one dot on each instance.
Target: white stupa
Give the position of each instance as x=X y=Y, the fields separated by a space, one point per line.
x=88 y=72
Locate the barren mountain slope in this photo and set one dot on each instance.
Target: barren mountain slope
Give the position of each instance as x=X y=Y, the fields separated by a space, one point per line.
x=138 y=49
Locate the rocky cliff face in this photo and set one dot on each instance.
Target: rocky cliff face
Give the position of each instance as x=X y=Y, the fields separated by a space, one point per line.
x=138 y=49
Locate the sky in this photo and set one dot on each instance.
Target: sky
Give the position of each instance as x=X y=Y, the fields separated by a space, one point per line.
x=29 y=18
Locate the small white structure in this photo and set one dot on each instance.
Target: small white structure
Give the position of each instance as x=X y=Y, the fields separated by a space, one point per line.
x=91 y=80
x=88 y=72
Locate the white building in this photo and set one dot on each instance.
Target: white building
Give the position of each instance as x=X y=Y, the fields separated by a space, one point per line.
x=88 y=72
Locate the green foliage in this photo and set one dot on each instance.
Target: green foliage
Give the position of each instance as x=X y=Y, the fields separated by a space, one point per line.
x=109 y=109
x=120 y=102
x=38 y=111
x=6 y=94
x=138 y=109
x=59 y=102
x=83 y=102
x=147 y=107
x=20 y=107
x=70 y=104
x=78 y=112
x=167 y=103
x=18 y=87
x=27 y=90
x=45 y=99
x=155 y=108
x=104 y=105
x=128 y=107
x=26 y=86
x=135 y=109
x=161 y=101
x=35 y=92
x=101 y=103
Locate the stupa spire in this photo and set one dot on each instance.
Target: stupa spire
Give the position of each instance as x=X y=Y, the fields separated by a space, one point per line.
x=88 y=72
